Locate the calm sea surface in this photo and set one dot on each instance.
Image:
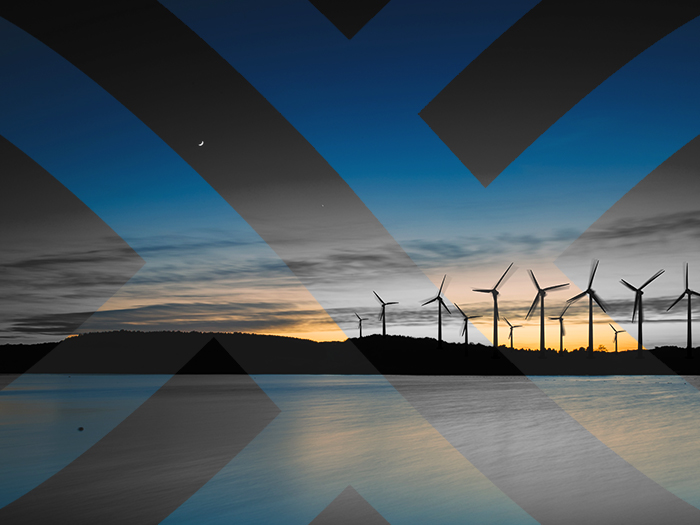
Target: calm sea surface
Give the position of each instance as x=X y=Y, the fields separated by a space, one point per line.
x=335 y=431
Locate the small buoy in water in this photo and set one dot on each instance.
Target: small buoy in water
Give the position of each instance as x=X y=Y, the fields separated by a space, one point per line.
x=80 y=429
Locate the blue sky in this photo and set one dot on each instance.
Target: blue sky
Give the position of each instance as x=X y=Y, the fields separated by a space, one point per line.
x=357 y=102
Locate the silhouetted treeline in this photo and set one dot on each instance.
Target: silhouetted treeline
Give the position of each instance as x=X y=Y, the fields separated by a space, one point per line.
x=126 y=352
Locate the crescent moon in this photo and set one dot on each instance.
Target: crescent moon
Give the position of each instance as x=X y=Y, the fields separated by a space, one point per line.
x=201 y=143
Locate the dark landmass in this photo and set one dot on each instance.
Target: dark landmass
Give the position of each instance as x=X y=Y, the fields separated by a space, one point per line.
x=126 y=352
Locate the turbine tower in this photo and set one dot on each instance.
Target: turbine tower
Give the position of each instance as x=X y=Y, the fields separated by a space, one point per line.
x=541 y=293
x=638 y=304
x=615 y=338
x=359 y=325
x=510 y=336
x=562 y=332
x=592 y=296
x=382 y=314
x=466 y=322
x=494 y=292
x=689 y=293
x=441 y=303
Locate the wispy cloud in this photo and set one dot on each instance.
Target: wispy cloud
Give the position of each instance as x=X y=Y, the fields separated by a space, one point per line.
x=479 y=249
x=638 y=234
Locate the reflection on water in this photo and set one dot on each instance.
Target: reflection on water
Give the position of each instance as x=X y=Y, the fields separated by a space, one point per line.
x=40 y=416
x=335 y=431
x=653 y=422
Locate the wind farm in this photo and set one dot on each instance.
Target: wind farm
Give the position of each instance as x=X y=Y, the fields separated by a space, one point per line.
x=382 y=313
x=440 y=306
x=465 y=326
x=570 y=310
x=562 y=332
x=539 y=298
x=638 y=293
x=615 y=336
x=689 y=293
x=410 y=355
x=592 y=296
x=494 y=293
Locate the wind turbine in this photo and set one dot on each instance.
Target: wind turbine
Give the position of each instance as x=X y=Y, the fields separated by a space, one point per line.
x=592 y=296
x=466 y=322
x=638 y=304
x=541 y=293
x=615 y=338
x=382 y=315
x=510 y=336
x=359 y=325
x=562 y=332
x=690 y=293
x=441 y=303
x=494 y=292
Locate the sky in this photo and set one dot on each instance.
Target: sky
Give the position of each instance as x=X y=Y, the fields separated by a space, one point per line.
x=327 y=171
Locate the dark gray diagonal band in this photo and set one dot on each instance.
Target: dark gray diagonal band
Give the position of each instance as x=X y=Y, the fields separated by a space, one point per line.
x=349 y=16
x=258 y=162
x=59 y=261
x=349 y=508
x=155 y=459
x=539 y=69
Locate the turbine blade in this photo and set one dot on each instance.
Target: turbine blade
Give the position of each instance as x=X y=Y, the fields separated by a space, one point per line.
x=507 y=322
x=445 y=306
x=357 y=315
x=474 y=316
x=636 y=303
x=566 y=307
x=565 y=285
x=393 y=302
x=628 y=285
x=460 y=310
x=576 y=298
x=652 y=278
x=686 y=276
x=428 y=302
x=442 y=283
x=381 y=314
x=693 y=292
x=676 y=302
x=601 y=303
x=611 y=326
x=464 y=328
x=378 y=298
x=500 y=281
x=563 y=330
x=534 y=305
x=481 y=290
x=594 y=268
x=534 y=280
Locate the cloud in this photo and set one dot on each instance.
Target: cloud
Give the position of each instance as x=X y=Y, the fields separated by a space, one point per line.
x=430 y=252
x=637 y=234
x=226 y=316
x=59 y=324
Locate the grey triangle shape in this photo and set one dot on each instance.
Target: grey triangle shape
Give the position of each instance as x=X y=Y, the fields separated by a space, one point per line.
x=349 y=508
x=349 y=16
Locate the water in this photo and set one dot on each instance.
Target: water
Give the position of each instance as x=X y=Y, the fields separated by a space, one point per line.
x=335 y=431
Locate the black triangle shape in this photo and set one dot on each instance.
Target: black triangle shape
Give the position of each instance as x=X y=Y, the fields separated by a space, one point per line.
x=212 y=359
x=349 y=508
x=349 y=16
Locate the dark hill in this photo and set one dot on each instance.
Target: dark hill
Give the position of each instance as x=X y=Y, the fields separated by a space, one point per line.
x=127 y=352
